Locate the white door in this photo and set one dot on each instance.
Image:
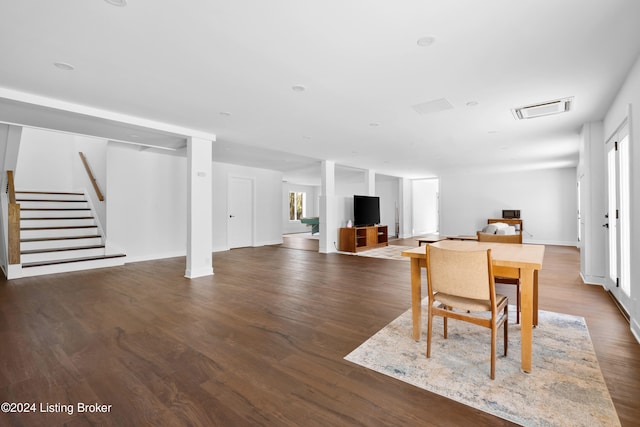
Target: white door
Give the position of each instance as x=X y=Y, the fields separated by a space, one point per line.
x=617 y=277
x=240 y=215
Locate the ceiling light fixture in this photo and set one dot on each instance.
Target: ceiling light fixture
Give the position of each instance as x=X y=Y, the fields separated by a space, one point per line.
x=119 y=3
x=426 y=41
x=298 y=88
x=64 y=66
x=472 y=104
x=374 y=124
x=225 y=113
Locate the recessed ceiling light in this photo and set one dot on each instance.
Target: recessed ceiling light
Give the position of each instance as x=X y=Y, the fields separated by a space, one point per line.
x=119 y=3
x=64 y=66
x=374 y=124
x=225 y=113
x=472 y=103
x=298 y=88
x=426 y=41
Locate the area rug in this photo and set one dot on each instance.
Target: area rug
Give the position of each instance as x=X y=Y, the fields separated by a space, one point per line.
x=387 y=252
x=565 y=387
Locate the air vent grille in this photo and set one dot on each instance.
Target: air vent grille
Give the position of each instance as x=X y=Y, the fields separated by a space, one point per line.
x=543 y=109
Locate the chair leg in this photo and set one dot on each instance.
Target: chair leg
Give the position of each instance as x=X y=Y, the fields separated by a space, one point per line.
x=506 y=329
x=429 y=322
x=494 y=334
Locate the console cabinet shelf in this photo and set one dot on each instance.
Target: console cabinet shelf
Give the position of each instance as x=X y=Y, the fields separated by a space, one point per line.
x=356 y=239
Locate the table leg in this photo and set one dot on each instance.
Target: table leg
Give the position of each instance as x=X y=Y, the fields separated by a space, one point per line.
x=535 y=298
x=527 y=302
x=416 y=297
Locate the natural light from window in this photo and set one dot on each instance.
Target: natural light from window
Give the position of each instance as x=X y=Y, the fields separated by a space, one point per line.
x=297 y=208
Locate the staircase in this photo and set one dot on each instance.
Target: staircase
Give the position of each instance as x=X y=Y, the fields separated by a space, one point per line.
x=59 y=233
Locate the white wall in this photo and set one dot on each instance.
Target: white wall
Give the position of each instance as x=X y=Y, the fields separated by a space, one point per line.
x=147 y=203
x=45 y=161
x=312 y=206
x=547 y=200
x=629 y=95
x=267 y=204
x=387 y=190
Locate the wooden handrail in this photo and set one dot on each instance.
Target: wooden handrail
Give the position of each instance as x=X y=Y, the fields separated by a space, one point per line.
x=91 y=177
x=13 y=226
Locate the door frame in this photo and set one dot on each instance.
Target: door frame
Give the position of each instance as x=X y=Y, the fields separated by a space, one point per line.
x=621 y=133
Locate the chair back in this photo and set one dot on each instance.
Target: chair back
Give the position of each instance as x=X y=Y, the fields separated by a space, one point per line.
x=465 y=274
x=499 y=238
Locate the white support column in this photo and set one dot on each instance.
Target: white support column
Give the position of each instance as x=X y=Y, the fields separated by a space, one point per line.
x=199 y=208
x=328 y=222
x=370 y=182
x=404 y=208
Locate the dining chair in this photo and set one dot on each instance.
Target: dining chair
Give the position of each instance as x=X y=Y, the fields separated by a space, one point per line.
x=461 y=286
x=505 y=275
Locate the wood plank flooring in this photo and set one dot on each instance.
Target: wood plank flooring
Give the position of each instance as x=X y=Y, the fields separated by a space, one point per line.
x=259 y=343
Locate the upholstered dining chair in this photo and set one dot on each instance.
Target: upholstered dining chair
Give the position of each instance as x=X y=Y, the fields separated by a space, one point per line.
x=507 y=276
x=461 y=286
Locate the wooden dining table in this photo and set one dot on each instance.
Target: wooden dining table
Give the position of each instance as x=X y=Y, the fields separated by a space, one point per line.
x=522 y=259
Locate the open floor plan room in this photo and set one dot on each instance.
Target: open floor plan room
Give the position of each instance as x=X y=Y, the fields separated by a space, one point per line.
x=262 y=342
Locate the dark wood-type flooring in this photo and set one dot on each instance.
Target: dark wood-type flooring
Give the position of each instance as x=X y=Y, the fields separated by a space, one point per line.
x=259 y=343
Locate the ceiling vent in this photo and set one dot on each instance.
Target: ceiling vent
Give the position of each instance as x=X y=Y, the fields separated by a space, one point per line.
x=543 y=109
x=434 y=106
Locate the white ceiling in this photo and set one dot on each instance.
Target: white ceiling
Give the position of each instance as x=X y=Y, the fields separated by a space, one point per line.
x=184 y=63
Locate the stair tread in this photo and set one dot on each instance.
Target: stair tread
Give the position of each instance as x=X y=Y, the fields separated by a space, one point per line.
x=49 y=192
x=52 y=200
x=68 y=248
x=44 y=239
x=54 y=209
x=67 y=261
x=55 y=218
x=62 y=227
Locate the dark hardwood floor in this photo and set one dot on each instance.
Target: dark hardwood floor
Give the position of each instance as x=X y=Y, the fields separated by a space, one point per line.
x=259 y=343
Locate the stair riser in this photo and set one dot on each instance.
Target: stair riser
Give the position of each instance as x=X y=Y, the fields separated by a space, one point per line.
x=56 y=214
x=58 y=233
x=26 y=222
x=72 y=266
x=49 y=196
x=52 y=205
x=60 y=255
x=48 y=244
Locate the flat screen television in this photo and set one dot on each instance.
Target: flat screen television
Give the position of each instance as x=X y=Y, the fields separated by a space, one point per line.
x=366 y=210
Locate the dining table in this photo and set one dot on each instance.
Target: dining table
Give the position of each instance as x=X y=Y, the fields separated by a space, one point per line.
x=523 y=260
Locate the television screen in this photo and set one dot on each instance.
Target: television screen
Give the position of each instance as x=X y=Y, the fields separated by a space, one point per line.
x=366 y=210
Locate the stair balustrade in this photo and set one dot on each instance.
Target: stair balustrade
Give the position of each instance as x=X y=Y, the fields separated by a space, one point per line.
x=13 y=223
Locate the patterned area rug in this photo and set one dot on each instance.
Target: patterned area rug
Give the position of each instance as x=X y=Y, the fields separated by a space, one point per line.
x=565 y=387
x=387 y=252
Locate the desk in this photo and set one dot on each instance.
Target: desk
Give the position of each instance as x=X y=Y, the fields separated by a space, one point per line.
x=526 y=258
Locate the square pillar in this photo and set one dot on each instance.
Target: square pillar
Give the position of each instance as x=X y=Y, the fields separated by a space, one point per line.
x=199 y=208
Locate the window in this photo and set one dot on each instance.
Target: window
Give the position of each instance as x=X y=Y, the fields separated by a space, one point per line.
x=297 y=208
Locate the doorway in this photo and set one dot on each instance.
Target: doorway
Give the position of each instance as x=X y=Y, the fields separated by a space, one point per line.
x=618 y=268
x=425 y=206
x=240 y=221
